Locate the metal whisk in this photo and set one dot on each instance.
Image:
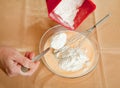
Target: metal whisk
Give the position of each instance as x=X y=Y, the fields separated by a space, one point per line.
x=78 y=36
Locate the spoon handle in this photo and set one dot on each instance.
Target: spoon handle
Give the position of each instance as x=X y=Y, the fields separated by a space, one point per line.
x=37 y=58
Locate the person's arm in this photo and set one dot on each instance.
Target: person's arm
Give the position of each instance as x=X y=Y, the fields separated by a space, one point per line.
x=11 y=61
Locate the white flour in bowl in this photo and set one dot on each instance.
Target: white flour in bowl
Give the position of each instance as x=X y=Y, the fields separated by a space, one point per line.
x=73 y=59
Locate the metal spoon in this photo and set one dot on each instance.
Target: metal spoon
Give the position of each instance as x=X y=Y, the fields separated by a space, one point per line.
x=37 y=58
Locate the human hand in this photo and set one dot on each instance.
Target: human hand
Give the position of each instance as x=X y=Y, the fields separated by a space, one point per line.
x=11 y=61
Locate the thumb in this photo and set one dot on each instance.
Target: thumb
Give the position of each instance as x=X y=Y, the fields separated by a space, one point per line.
x=30 y=55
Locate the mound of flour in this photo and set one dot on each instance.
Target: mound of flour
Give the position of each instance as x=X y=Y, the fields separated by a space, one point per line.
x=73 y=59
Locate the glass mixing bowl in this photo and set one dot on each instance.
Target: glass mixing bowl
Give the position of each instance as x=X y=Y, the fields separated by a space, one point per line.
x=52 y=65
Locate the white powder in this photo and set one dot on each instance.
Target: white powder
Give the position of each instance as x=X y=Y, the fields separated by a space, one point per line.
x=58 y=40
x=73 y=59
x=70 y=58
x=67 y=10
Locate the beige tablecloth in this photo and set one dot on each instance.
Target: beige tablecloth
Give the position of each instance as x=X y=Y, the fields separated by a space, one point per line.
x=23 y=22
